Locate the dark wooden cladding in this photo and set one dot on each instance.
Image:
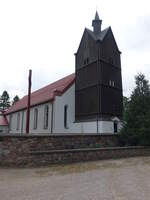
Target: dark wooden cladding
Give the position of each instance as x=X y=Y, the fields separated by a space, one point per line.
x=111 y=101
x=109 y=72
x=85 y=101
x=98 y=84
x=87 y=76
x=109 y=49
x=86 y=50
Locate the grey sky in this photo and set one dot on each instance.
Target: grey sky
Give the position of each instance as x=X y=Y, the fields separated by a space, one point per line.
x=44 y=35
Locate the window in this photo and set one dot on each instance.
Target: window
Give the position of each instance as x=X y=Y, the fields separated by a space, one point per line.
x=65 y=116
x=109 y=82
x=10 y=122
x=86 y=61
x=111 y=60
x=18 y=121
x=115 y=127
x=35 y=118
x=46 y=116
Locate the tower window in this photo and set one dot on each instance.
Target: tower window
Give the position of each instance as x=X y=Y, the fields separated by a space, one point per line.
x=65 y=116
x=46 y=116
x=109 y=82
x=86 y=61
x=35 y=118
x=111 y=60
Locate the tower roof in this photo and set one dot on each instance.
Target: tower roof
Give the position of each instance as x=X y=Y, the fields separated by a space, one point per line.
x=96 y=16
x=96 y=23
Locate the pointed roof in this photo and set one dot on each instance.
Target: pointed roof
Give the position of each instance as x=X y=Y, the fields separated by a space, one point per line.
x=99 y=36
x=96 y=16
x=45 y=94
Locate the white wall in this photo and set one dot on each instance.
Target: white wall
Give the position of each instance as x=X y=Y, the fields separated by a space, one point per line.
x=106 y=126
x=40 y=124
x=68 y=98
x=22 y=125
x=3 y=129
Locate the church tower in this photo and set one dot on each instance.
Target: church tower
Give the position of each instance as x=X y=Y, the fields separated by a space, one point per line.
x=98 y=84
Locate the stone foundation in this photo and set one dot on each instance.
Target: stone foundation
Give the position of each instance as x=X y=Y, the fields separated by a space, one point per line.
x=43 y=150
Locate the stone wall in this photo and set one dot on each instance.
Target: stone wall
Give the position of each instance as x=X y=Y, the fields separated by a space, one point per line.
x=42 y=150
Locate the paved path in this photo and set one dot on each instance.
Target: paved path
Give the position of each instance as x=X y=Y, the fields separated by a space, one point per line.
x=123 y=179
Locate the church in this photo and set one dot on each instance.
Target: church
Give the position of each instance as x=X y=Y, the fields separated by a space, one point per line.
x=87 y=101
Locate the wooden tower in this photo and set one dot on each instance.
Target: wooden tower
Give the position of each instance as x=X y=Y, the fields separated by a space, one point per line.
x=98 y=84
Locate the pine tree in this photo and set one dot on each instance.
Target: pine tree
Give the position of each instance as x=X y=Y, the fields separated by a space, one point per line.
x=136 y=128
x=4 y=101
x=15 y=99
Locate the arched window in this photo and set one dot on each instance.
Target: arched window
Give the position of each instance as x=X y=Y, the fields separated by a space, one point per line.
x=10 y=122
x=65 y=116
x=46 y=116
x=18 y=121
x=35 y=118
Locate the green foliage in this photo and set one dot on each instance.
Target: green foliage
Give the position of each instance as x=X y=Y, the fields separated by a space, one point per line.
x=136 y=130
x=125 y=102
x=15 y=99
x=4 y=101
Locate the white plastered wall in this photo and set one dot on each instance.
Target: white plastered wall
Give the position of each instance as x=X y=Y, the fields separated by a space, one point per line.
x=68 y=98
x=22 y=125
x=3 y=129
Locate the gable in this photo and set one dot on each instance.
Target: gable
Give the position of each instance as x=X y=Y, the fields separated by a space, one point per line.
x=110 y=40
x=110 y=49
x=87 y=49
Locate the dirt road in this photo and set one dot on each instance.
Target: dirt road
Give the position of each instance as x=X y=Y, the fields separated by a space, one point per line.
x=123 y=179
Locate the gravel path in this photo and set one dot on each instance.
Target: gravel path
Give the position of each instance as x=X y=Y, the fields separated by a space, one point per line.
x=123 y=179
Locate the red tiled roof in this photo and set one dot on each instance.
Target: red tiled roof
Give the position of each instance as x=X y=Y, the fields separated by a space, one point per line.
x=3 y=120
x=45 y=94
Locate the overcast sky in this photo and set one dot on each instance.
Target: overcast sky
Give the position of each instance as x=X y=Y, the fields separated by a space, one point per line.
x=43 y=35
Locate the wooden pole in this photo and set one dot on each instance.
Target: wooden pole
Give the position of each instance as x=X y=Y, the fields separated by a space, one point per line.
x=29 y=101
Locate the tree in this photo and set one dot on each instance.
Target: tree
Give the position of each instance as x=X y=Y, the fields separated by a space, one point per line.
x=136 y=130
x=4 y=101
x=125 y=102
x=15 y=99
